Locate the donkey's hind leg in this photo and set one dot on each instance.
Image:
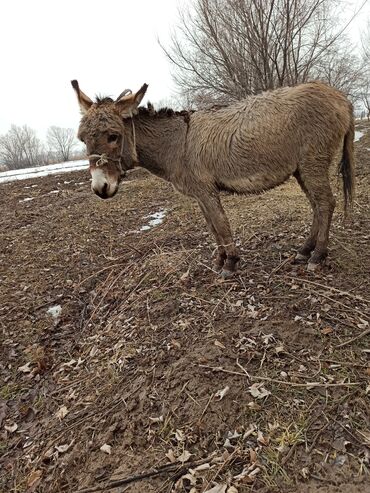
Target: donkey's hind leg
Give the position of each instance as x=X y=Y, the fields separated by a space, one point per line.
x=316 y=180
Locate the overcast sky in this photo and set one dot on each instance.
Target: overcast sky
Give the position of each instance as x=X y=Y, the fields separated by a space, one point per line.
x=107 y=45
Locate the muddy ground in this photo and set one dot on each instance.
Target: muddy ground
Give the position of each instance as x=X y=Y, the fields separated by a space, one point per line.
x=156 y=375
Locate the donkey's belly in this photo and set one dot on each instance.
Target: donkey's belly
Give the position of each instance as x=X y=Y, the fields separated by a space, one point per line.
x=256 y=183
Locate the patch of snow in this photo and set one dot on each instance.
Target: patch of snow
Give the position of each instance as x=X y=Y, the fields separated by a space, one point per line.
x=50 y=169
x=154 y=220
x=55 y=311
x=27 y=199
x=358 y=135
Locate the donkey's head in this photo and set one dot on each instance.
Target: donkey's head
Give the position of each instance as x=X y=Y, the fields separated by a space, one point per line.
x=107 y=130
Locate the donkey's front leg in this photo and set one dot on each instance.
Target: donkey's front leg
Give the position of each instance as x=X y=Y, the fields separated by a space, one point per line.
x=214 y=213
x=221 y=252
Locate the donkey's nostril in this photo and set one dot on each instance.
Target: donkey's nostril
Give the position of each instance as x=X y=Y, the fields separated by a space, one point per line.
x=103 y=193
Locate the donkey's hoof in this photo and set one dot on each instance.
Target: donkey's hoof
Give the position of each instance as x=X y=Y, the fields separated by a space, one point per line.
x=226 y=274
x=312 y=267
x=300 y=258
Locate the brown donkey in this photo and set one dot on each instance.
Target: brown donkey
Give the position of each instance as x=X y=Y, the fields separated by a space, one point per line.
x=247 y=147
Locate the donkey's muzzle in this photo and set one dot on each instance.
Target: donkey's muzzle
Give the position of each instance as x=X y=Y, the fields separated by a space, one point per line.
x=103 y=193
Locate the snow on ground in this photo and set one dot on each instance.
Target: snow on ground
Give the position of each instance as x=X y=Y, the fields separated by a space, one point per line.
x=50 y=169
x=358 y=135
x=155 y=219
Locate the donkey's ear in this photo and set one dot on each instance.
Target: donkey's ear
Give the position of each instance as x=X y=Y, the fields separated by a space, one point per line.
x=127 y=104
x=83 y=100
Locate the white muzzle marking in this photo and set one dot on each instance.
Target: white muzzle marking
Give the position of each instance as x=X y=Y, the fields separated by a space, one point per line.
x=102 y=184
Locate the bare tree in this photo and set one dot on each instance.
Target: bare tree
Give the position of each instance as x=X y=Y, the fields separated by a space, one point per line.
x=343 y=69
x=21 y=148
x=365 y=92
x=225 y=50
x=61 y=142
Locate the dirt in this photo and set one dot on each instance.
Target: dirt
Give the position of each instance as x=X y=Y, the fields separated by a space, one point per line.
x=258 y=383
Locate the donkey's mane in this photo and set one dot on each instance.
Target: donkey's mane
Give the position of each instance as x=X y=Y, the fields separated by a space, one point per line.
x=99 y=99
x=164 y=112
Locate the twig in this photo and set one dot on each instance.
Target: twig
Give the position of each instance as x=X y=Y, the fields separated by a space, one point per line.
x=152 y=473
x=222 y=370
x=308 y=385
x=205 y=409
x=330 y=288
x=363 y=334
x=280 y=266
x=323 y=428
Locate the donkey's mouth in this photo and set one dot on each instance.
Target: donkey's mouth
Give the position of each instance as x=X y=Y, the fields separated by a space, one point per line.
x=106 y=192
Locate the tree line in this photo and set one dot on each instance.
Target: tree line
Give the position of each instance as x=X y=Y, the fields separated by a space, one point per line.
x=21 y=148
x=224 y=50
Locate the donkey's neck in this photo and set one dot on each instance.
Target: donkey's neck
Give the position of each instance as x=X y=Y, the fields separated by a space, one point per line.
x=160 y=143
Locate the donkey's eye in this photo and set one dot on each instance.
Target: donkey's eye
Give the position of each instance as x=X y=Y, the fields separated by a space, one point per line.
x=112 y=138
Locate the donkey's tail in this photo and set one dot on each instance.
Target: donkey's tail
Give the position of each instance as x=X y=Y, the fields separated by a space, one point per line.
x=347 y=166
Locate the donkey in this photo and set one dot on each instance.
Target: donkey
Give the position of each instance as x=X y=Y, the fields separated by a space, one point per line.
x=247 y=147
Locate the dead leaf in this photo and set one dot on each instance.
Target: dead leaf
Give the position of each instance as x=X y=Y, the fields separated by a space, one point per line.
x=156 y=420
x=279 y=349
x=11 y=428
x=363 y=325
x=253 y=456
x=253 y=405
x=221 y=393
x=232 y=489
x=191 y=478
x=25 y=368
x=184 y=457
x=258 y=391
x=305 y=472
x=261 y=438
x=63 y=448
x=185 y=275
x=106 y=448
x=202 y=467
x=171 y=456
x=327 y=330
x=219 y=344
x=340 y=444
x=219 y=488
x=33 y=480
x=179 y=435
x=63 y=411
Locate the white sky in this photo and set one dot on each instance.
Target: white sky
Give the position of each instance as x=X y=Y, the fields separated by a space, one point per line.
x=107 y=45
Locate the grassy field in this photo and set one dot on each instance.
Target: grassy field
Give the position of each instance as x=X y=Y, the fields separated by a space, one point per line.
x=150 y=373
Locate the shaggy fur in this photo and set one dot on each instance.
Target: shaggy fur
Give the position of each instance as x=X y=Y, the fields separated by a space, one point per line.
x=248 y=147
